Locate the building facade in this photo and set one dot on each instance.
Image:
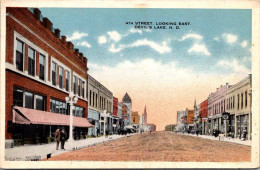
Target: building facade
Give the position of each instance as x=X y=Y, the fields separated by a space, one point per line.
x=216 y=108
x=190 y=119
x=128 y=102
x=115 y=115
x=181 y=120
x=204 y=117
x=42 y=68
x=135 y=119
x=239 y=107
x=100 y=107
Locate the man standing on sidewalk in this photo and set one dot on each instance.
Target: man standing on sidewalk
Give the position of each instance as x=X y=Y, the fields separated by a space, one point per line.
x=57 y=136
x=63 y=136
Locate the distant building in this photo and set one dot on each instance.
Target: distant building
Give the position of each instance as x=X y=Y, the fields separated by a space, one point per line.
x=145 y=116
x=190 y=119
x=204 y=117
x=181 y=120
x=128 y=102
x=115 y=116
x=135 y=118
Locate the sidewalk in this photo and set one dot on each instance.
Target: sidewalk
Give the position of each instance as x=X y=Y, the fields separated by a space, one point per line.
x=38 y=152
x=222 y=139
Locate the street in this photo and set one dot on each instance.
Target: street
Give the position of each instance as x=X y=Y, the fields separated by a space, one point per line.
x=161 y=146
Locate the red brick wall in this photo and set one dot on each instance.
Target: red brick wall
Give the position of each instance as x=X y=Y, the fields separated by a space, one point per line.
x=14 y=79
x=115 y=106
x=204 y=109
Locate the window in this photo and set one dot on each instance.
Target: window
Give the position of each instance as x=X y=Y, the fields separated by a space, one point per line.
x=31 y=61
x=61 y=77
x=19 y=55
x=241 y=100
x=83 y=89
x=79 y=87
x=78 y=111
x=246 y=99
x=29 y=100
x=39 y=102
x=67 y=80
x=96 y=99
x=54 y=73
x=74 y=84
x=93 y=103
x=18 y=97
x=238 y=102
x=90 y=94
x=233 y=102
x=42 y=67
x=59 y=107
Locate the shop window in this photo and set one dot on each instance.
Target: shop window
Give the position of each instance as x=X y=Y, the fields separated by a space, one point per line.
x=18 y=97
x=40 y=104
x=67 y=80
x=59 y=107
x=19 y=55
x=31 y=61
x=29 y=100
x=42 y=67
x=54 y=73
x=78 y=111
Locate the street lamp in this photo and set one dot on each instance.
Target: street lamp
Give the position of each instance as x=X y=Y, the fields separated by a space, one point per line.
x=71 y=99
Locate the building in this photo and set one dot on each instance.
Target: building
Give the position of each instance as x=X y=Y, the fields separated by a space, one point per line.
x=181 y=121
x=128 y=102
x=190 y=119
x=145 y=116
x=125 y=115
x=197 y=118
x=42 y=68
x=216 y=108
x=239 y=108
x=135 y=119
x=120 y=115
x=100 y=107
x=204 y=117
x=115 y=116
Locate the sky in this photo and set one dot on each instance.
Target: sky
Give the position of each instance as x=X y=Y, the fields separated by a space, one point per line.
x=162 y=68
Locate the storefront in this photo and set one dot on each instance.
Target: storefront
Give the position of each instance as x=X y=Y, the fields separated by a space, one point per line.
x=30 y=126
x=93 y=117
x=242 y=126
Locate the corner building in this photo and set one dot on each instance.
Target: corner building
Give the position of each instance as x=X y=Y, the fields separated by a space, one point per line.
x=42 y=68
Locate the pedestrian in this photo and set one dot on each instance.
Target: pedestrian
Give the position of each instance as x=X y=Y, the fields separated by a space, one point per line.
x=63 y=136
x=57 y=136
x=107 y=133
x=197 y=132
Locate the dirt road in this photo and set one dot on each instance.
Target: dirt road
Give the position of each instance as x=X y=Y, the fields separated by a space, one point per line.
x=161 y=146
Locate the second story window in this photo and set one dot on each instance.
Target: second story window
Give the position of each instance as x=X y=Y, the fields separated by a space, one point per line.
x=241 y=100
x=79 y=87
x=67 y=80
x=29 y=102
x=54 y=73
x=31 y=61
x=42 y=67
x=90 y=94
x=246 y=99
x=61 y=77
x=83 y=89
x=19 y=55
x=74 y=84
x=238 y=102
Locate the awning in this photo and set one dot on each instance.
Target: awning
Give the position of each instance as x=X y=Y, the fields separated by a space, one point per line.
x=23 y=115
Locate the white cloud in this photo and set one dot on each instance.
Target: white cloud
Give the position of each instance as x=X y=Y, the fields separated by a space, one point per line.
x=114 y=35
x=199 y=48
x=230 y=38
x=192 y=36
x=244 y=44
x=132 y=30
x=216 y=38
x=113 y=49
x=102 y=39
x=84 y=43
x=77 y=35
x=161 y=48
x=234 y=65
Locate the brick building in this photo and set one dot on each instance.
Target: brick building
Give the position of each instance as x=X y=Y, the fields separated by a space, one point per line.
x=42 y=68
x=204 y=116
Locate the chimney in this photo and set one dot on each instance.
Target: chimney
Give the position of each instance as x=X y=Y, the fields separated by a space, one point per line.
x=63 y=39
x=57 y=33
x=77 y=50
x=37 y=13
x=47 y=23
x=70 y=44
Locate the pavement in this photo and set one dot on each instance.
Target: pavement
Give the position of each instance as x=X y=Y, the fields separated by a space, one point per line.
x=38 y=152
x=223 y=139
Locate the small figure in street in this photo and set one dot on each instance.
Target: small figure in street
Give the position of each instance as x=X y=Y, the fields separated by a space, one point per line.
x=107 y=133
x=57 y=136
x=63 y=136
x=197 y=132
